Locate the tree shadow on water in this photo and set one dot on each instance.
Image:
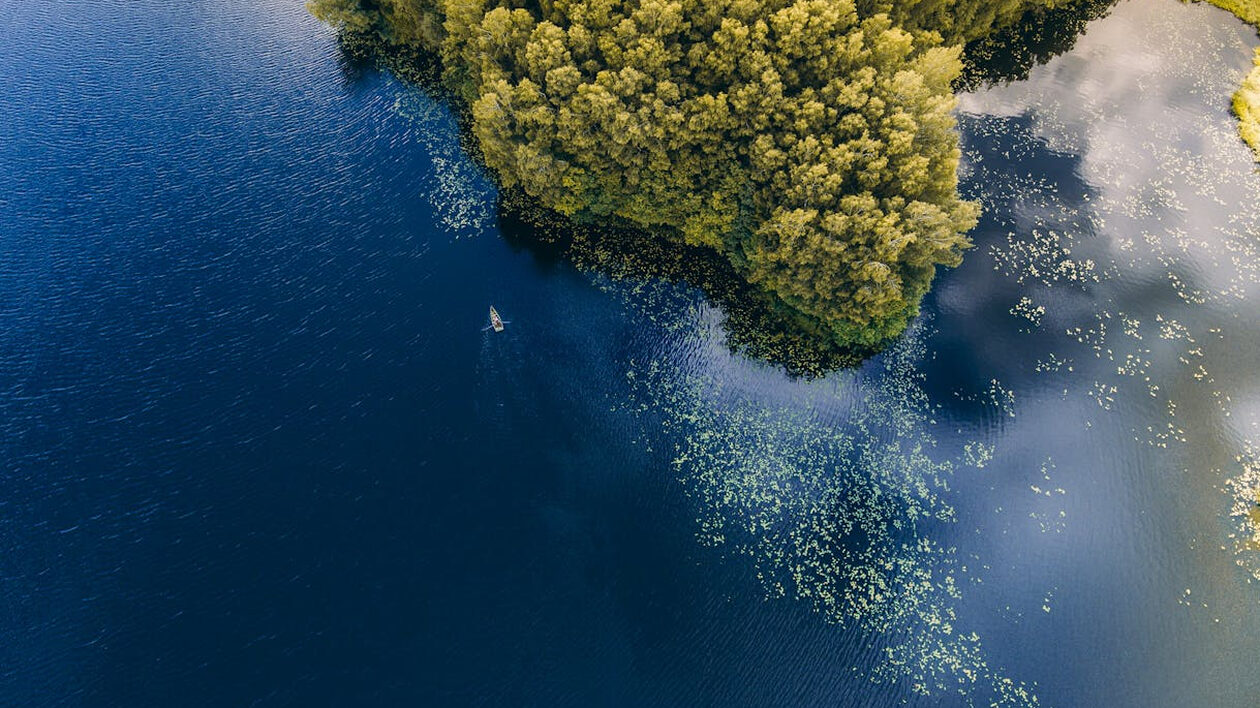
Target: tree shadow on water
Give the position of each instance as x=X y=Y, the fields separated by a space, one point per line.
x=1010 y=53
x=754 y=323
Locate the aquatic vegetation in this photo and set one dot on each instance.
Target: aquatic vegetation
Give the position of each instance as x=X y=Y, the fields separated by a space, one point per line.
x=460 y=194
x=1027 y=310
x=1049 y=521
x=844 y=515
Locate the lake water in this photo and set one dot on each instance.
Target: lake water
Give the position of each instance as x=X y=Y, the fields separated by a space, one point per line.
x=256 y=449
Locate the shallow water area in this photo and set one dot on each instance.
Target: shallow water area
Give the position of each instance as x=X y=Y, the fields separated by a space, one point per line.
x=257 y=448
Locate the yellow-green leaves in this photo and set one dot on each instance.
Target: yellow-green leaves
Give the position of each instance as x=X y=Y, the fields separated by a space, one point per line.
x=1247 y=108
x=342 y=14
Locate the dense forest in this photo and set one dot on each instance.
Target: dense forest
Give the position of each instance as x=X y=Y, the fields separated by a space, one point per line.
x=810 y=142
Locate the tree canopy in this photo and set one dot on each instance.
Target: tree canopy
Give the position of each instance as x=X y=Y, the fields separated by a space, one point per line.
x=809 y=141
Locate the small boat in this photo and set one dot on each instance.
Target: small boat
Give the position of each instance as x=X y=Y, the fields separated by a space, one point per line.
x=495 y=320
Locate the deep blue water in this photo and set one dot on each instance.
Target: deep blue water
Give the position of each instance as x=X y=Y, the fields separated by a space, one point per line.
x=255 y=448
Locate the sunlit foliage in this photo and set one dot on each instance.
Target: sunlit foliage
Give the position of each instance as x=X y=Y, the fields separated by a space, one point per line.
x=1247 y=108
x=399 y=21
x=1247 y=98
x=1247 y=10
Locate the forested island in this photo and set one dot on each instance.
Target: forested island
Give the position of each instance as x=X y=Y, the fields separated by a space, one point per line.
x=811 y=143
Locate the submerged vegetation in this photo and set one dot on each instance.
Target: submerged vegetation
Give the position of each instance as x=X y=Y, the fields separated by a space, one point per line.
x=811 y=143
x=1246 y=10
x=838 y=501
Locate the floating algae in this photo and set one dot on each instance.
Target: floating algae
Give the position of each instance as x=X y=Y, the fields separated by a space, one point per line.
x=459 y=192
x=845 y=515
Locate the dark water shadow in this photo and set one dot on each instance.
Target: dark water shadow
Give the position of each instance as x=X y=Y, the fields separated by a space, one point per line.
x=1041 y=35
x=755 y=323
